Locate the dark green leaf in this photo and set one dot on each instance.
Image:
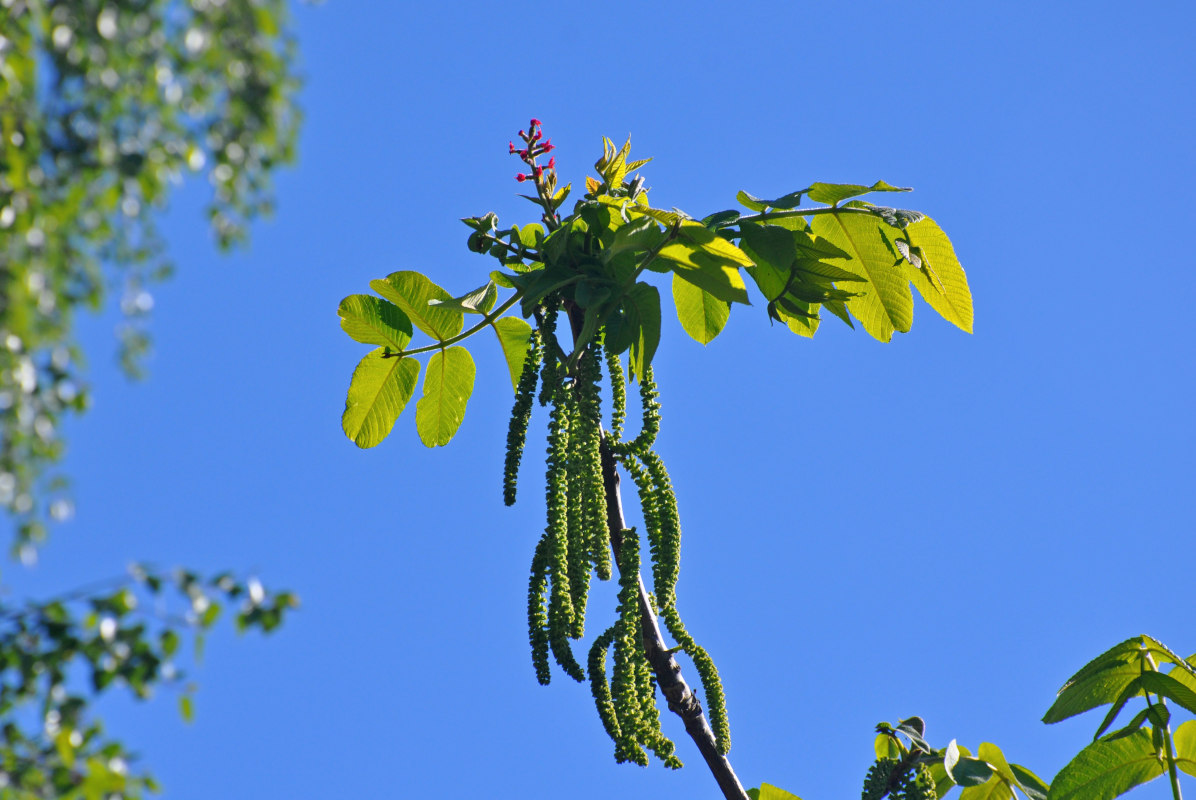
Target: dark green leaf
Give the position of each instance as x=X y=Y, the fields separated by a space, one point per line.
x=769 y=245
x=640 y=321
x=1103 y=678
x=1034 y=787
x=721 y=219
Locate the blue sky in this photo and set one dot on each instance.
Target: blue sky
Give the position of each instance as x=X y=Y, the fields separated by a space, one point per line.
x=946 y=525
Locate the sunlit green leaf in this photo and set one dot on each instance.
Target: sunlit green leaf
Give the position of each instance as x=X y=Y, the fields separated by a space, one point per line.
x=372 y=320
x=885 y=746
x=1034 y=787
x=886 y=303
x=1184 y=741
x=832 y=193
x=448 y=384
x=995 y=788
x=479 y=301
x=379 y=390
x=513 y=336
x=701 y=314
x=1104 y=678
x=411 y=292
x=710 y=242
x=1106 y=769
x=941 y=281
x=770 y=792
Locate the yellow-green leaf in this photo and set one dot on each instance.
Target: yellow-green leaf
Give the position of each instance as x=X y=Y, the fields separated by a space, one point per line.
x=513 y=338
x=378 y=392
x=702 y=315
x=411 y=292
x=770 y=792
x=941 y=282
x=1184 y=740
x=886 y=303
x=710 y=242
x=1107 y=769
x=448 y=384
x=372 y=320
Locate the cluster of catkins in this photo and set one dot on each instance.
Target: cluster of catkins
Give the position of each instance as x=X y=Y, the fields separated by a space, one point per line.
x=898 y=781
x=577 y=540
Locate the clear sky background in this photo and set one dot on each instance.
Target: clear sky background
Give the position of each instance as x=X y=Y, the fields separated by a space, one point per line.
x=947 y=525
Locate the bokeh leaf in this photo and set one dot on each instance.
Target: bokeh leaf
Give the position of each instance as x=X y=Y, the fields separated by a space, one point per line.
x=378 y=392
x=448 y=384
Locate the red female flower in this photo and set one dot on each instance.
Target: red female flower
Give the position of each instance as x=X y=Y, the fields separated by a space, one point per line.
x=521 y=177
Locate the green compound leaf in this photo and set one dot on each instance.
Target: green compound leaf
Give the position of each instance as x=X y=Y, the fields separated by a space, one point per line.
x=701 y=314
x=941 y=280
x=833 y=193
x=1104 y=678
x=447 y=387
x=371 y=320
x=378 y=392
x=1107 y=769
x=411 y=292
x=1184 y=740
x=710 y=272
x=886 y=303
x=513 y=336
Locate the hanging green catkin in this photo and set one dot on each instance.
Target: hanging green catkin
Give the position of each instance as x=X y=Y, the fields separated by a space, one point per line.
x=560 y=602
x=589 y=453
x=550 y=372
x=578 y=553
x=600 y=687
x=712 y=686
x=537 y=617
x=650 y=733
x=648 y=497
x=627 y=645
x=650 y=420
x=666 y=544
x=521 y=413
x=618 y=396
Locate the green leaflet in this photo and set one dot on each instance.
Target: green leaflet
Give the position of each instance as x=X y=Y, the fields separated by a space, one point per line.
x=997 y=788
x=769 y=792
x=771 y=245
x=709 y=261
x=378 y=392
x=701 y=314
x=371 y=320
x=1184 y=740
x=447 y=387
x=886 y=303
x=953 y=299
x=834 y=193
x=513 y=336
x=1006 y=779
x=1104 y=678
x=411 y=292
x=1104 y=770
x=479 y=301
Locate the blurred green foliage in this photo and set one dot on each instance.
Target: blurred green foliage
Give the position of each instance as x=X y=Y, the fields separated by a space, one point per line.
x=104 y=106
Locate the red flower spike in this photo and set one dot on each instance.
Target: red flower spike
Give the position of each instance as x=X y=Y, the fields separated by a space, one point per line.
x=522 y=154
x=535 y=122
x=539 y=171
x=511 y=147
x=552 y=162
x=522 y=135
x=521 y=177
